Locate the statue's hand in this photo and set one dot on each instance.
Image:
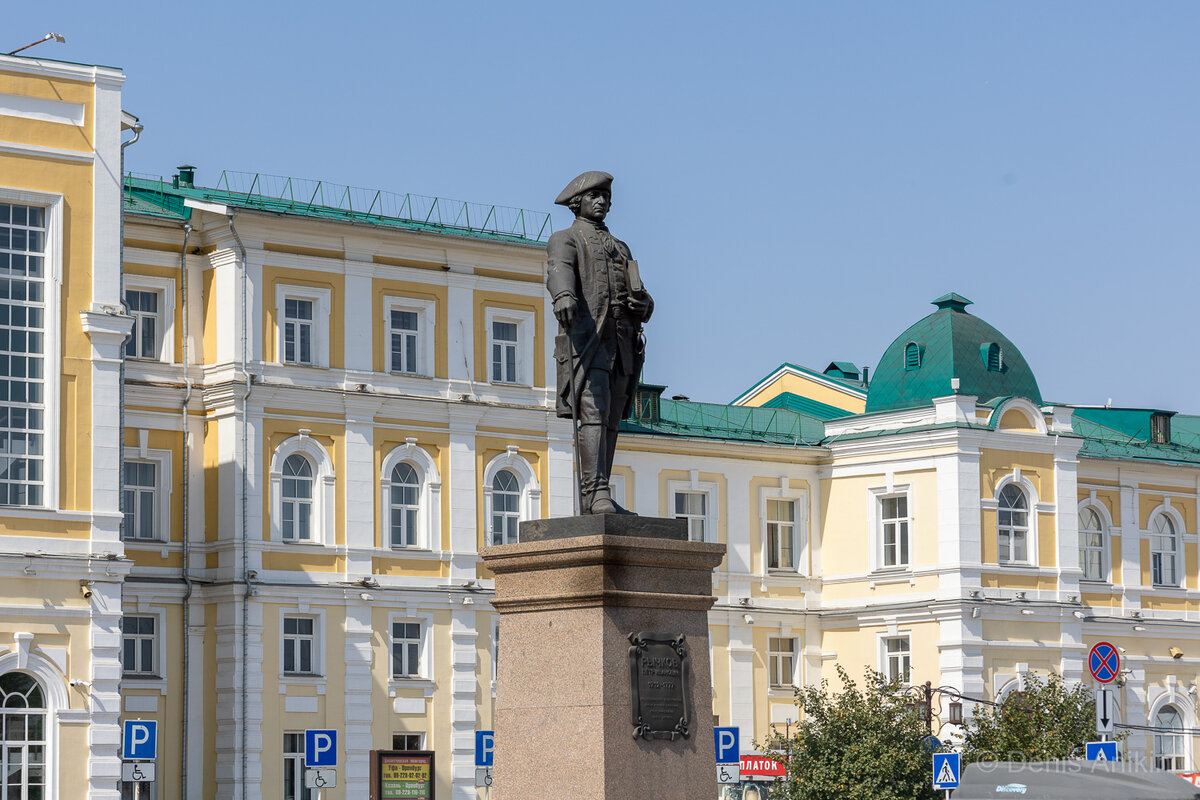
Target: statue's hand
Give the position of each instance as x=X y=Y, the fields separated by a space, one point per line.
x=564 y=310
x=637 y=304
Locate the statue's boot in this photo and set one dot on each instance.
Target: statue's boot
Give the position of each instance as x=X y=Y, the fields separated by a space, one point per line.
x=602 y=503
x=610 y=452
x=591 y=440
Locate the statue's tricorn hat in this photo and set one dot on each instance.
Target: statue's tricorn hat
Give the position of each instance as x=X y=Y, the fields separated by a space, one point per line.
x=588 y=180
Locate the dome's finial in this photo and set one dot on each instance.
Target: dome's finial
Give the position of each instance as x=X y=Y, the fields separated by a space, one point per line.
x=952 y=301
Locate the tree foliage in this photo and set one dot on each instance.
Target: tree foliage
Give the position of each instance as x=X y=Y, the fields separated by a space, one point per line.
x=1042 y=721
x=862 y=743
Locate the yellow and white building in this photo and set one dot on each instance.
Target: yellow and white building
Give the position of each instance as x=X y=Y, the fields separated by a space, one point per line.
x=61 y=326
x=333 y=399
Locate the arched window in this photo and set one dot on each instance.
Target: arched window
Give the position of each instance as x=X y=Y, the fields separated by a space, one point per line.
x=1168 y=739
x=405 y=502
x=1164 y=551
x=993 y=357
x=297 y=499
x=506 y=508
x=912 y=356
x=1093 y=544
x=22 y=737
x=1012 y=540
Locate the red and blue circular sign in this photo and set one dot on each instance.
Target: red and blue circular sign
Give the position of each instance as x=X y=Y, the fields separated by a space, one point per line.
x=1104 y=662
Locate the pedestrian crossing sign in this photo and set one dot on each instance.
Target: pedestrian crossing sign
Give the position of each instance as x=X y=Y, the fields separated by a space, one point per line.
x=945 y=770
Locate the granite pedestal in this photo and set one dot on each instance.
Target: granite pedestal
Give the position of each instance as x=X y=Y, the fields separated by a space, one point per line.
x=569 y=595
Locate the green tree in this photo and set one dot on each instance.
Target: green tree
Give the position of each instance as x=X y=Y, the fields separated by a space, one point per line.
x=1042 y=721
x=862 y=743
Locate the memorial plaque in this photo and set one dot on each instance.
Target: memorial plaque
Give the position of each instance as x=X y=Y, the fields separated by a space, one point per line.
x=659 y=680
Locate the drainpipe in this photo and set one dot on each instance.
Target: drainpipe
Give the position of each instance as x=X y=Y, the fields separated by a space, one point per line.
x=187 y=580
x=245 y=507
x=137 y=134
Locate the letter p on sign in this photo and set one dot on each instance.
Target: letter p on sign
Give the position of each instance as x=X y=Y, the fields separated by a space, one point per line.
x=726 y=741
x=320 y=748
x=140 y=740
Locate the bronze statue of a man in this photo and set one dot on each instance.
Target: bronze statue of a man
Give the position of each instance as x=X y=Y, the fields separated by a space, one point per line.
x=600 y=305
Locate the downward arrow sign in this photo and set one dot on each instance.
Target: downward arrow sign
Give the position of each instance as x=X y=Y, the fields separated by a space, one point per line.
x=1104 y=710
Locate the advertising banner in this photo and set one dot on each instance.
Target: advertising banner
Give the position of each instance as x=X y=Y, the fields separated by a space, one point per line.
x=402 y=775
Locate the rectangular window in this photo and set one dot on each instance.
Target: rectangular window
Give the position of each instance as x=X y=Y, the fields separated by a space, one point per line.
x=293 y=768
x=781 y=655
x=897 y=663
x=141 y=500
x=408 y=741
x=893 y=531
x=406 y=649
x=404 y=332
x=22 y=354
x=139 y=646
x=504 y=352
x=298 y=640
x=298 y=331
x=143 y=307
x=692 y=507
x=781 y=534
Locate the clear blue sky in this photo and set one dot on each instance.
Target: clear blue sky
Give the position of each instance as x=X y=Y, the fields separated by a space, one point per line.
x=797 y=180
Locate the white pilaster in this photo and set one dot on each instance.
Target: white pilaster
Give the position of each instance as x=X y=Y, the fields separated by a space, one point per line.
x=361 y=483
x=358 y=690
x=741 y=680
x=359 y=311
x=104 y=766
x=463 y=715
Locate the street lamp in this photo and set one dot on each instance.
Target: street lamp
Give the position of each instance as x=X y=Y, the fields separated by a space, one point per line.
x=58 y=37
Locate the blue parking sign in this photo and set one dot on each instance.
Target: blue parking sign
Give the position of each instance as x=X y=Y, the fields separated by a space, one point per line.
x=485 y=748
x=320 y=747
x=140 y=742
x=726 y=742
x=946 y=770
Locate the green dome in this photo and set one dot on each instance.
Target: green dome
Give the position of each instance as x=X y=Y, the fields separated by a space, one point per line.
x=950 y=343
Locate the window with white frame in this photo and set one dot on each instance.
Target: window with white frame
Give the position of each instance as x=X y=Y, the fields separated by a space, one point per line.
x=781 y=658
x=410 y=324
x=506 y=507
x=23 y=310
x=302 y=333
x=1164 y=551
x=141 y=500
x=293 y=768
x=150 y=300
x=143 y=307
x=893 y=531
x=22 y=737
x=298 y=331
x=299 y=643
x=405 y=498
x=1012 y=536
x=781 y=534
x=139 y=645
x=509 y=346
x=408 y=741
x=1169 y=741
x=504 y=351
x=692 y=507
x=406 y=649
x=403 y=330
x=896 y=657
x=297 y=499
x=1093 y=544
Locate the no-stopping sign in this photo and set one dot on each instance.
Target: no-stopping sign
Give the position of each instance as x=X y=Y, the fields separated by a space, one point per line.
x=1104 y=662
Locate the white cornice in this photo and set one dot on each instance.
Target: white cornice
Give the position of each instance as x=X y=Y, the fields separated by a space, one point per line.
x=88 y=73
x=55 y=153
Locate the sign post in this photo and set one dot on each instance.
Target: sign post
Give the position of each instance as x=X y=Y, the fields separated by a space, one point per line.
x=1104 y=662
x=320 y=758
x=946 y=771
x=729 y=765
x=1105 y=708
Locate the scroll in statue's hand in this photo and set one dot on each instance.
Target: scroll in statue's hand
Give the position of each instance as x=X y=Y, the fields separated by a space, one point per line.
x=564 y=310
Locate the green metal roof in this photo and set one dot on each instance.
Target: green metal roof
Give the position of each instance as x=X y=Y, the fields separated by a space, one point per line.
x=730 y=423
x=950 y=344
x=1125 y=433
x=807 y=406
x=331 y=201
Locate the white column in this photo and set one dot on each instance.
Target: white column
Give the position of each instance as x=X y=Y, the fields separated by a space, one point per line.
x=361 y=484
x=104 y=732
x=959 y=532
x=463 y=486
x=359 y=314
x=1066 y=518
x=106 y=189
x=464 y=685
x=359 y=687
x=561 y=469
x=196 y=702
x=741 y=681
x=460 y=327
x=1131 y=540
